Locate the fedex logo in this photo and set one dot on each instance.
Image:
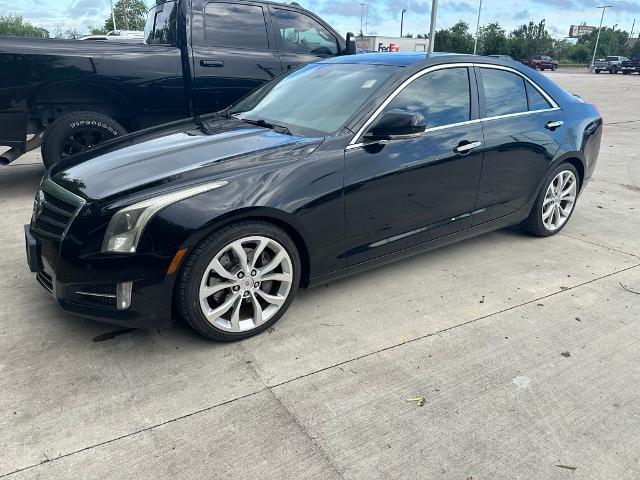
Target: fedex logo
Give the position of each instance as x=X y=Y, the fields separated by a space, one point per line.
x=391 y=48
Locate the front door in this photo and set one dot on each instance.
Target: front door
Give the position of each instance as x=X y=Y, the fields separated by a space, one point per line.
x=233 y=53
x=406 y=192
x=523 y=130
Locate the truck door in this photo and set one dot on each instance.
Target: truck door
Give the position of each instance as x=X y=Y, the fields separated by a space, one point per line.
x=233 y=53
x=301 y=38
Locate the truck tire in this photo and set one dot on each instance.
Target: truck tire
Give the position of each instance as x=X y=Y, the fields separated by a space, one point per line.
x=554 y=68
x=614 y=69
x=597 y=70
x=77 y=132
x=537 y=67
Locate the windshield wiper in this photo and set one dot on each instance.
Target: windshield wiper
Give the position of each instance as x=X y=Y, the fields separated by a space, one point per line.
x=263 y=123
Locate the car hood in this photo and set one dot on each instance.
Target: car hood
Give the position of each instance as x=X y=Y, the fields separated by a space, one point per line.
x=183 y=152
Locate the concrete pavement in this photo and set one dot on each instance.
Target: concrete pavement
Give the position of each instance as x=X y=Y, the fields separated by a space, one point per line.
x=526 y=351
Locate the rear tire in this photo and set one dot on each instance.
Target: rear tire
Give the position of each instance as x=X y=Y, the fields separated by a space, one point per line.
x=77 y=132
x=227 y=295
x=539 y=222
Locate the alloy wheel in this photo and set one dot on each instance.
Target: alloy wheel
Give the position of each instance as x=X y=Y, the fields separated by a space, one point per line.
x=559 y=200
x=245 y=284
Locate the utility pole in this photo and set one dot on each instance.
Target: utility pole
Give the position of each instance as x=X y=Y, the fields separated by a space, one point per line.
x=361 y=17
x=475 y=44
x=632 y=27
x=113 y=15
x=432 y=26
x=124 y=10
x=595 y=49
x=402 y=20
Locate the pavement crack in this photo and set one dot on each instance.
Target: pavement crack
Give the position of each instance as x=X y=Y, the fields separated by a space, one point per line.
x=599 y=245
x=270 y=388
x=303 y=429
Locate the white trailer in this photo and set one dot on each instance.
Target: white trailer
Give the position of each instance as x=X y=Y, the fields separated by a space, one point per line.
x=376 y=43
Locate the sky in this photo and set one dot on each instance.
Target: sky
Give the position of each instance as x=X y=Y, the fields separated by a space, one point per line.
x=383 y=16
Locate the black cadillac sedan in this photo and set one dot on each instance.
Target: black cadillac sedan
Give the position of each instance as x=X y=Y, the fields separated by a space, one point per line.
x=333 y=168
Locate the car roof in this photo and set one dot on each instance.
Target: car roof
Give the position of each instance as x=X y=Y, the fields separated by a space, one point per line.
x=400 y=59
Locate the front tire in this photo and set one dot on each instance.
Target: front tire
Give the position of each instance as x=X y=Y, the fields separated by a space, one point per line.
x=77 y=132
x=554 y=68
x=537 y=67
x=597 y=70
x=555 y=202
x=238 y=281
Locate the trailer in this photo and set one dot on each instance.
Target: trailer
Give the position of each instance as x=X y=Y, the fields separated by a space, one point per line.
x=377 y=43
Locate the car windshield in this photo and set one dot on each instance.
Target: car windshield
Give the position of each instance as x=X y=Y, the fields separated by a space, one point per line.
x=315 y=100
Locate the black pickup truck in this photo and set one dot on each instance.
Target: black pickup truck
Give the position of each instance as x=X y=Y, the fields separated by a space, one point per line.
x=631 y=65
x=198 y=56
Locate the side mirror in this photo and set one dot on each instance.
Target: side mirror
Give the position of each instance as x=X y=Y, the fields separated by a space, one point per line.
x=351 y=44
x=397 y=124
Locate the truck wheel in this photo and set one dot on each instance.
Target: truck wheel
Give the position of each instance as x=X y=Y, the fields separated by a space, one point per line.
x=597 y=70
x=537 y=67
x=613 y=70
x=554 y=68
x=77 y=132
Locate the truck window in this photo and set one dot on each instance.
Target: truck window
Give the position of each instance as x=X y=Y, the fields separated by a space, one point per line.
x=160 y=27
x=296 y=32
x=235 y=25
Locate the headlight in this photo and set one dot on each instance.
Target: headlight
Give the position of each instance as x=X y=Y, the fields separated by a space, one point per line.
x=126 y=226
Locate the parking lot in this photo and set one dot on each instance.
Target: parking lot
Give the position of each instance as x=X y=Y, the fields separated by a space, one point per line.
x=525 y=350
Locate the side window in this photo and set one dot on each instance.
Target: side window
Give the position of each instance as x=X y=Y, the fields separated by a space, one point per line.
x=443 y=97
x=536 y=100
x=162 y=29
x=504 y=92
x=296 y=32
x=235 y=25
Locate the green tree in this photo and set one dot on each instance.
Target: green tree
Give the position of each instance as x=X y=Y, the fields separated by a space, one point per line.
x=530 y=39
x=136 y=15
x=456 y=39
x=492 y=40
x=635 y=50
x=97 y=30
x=15 y=25
x=611 y=42
x=68 y=33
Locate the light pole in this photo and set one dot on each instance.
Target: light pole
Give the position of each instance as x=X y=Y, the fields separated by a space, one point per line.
x=613 y=30
x=475 y=44
x=432 y=26
x=113 y=15
x=604 y=9
x=402 y=20
x=361 y=17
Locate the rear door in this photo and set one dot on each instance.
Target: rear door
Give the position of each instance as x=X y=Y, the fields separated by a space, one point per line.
x=233 y=53
x=523 y=128
x=301 y=38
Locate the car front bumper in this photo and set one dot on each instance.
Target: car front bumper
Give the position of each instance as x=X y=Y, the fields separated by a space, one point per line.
x=126 y=291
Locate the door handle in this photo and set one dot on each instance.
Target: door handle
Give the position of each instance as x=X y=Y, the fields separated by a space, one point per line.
x=554 y=125
x=466 y=147
x=211 y=63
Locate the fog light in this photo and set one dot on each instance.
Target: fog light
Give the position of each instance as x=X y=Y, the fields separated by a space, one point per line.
x=123 y=295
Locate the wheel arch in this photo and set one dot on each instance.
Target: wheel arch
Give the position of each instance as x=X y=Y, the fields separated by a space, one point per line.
x=57 y=99
x=576 y=160
x=277 y=217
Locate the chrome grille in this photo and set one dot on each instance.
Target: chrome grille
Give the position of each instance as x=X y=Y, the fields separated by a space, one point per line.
x=54 y=208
